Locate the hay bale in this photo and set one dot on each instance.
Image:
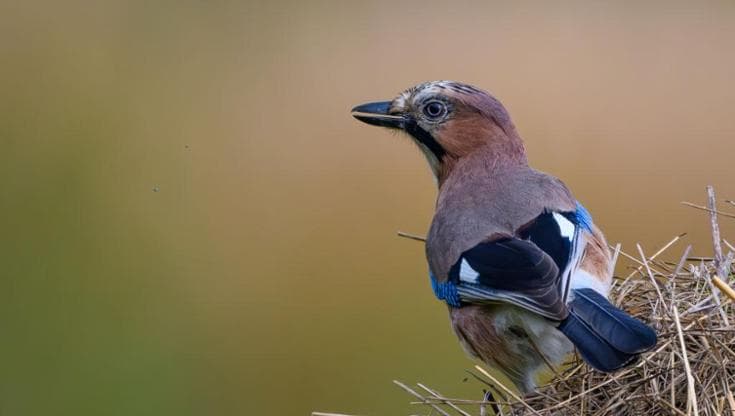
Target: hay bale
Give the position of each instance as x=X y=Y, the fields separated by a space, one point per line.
x=691 y=370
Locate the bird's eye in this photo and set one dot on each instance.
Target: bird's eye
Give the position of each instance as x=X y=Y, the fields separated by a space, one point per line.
x=435 y=109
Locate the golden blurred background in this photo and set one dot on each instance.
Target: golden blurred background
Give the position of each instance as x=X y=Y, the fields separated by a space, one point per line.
x=192 y=223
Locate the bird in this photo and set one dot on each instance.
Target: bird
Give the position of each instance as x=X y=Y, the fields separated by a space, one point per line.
x=523 y=269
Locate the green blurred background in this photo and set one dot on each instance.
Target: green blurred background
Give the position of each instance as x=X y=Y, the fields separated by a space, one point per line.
x=192 y=223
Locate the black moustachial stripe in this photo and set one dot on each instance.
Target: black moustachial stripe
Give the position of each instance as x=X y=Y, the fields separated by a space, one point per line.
x=424 y=138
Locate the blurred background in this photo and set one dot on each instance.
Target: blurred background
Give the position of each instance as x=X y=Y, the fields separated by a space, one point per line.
x=192 y=223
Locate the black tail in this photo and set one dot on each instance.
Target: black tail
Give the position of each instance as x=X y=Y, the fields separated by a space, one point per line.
x=606 y=337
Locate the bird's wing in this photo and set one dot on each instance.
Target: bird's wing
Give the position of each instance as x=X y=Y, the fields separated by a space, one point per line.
x=531 y=270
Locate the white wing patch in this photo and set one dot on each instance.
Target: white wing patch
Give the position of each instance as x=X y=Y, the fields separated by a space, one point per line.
x=570 y=231
x=467 y=273
x=582 y=279
x=565 y=226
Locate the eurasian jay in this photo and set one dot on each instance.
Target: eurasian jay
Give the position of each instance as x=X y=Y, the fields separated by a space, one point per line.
x=523 y=269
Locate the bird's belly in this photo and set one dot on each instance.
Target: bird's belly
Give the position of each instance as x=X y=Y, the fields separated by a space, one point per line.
x=515 y=341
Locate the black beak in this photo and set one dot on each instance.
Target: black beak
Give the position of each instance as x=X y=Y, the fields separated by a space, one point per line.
x=377 y=115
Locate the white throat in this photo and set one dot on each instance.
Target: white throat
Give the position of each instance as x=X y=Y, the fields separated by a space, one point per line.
x=431 y=158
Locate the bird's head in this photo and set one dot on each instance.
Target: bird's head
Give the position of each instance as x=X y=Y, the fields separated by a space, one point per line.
x=449 y=121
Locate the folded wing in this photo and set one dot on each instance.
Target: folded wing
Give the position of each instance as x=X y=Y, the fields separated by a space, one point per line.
x=530 y=270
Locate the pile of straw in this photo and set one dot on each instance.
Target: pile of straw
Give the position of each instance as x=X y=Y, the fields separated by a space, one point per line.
x=690 y=372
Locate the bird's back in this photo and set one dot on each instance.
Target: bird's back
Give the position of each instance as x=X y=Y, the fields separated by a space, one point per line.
x=477 y=203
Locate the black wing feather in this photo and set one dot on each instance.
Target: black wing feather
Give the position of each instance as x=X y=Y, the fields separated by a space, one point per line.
x=545 y=232
x=512 y=270
x=512 y=264
x=525 y=270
